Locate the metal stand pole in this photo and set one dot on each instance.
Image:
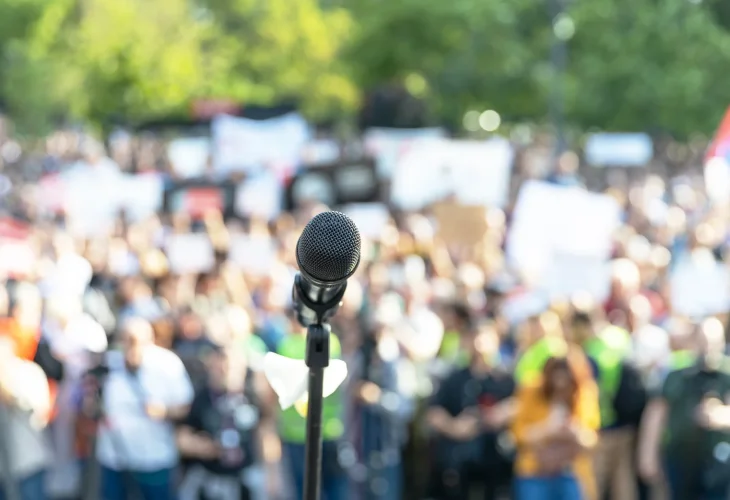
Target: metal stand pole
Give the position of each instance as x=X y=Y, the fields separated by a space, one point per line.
x=317 y=359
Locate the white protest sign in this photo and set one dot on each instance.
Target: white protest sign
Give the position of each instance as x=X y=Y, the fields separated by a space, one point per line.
x=472 y=172
x=92 y=198
x=189 y=156
x=261 y=195
x=370 y=218
x=189 y=253
x=17 y=258
x=567 y=275
x=550 y=219
x=142 y=195
x=386 y=145
x=619 y=150
x=321 y=151
x=700 y=286
x=243 y=145
x=255 y=255
x=717 y=179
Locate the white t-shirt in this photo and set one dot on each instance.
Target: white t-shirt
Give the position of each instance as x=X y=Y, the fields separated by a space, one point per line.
x=129 y=439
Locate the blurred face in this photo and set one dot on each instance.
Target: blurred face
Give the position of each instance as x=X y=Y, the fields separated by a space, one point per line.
x=580 y=331
x=561 y=383
x=136 y=338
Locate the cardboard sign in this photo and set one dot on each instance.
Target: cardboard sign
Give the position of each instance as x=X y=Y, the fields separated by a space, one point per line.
x=460 y=224
x=189 y=253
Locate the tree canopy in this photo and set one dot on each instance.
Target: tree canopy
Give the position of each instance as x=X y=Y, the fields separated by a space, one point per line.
x=631 y=65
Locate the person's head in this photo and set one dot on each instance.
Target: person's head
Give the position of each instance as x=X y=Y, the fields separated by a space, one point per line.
x=582 y=327
x=640 y=312
x=226 y=369
x=711 y=341
x=560 y=382
x=190 y=325
x=136 y=336
x=483 y=343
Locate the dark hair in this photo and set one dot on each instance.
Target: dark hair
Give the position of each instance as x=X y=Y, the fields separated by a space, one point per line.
x=555 y=365
x=581 y=318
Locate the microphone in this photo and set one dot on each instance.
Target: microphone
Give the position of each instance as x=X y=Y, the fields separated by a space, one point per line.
x=328 y=253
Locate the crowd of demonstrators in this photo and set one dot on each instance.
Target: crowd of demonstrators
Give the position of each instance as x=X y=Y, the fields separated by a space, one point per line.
x=123 y=378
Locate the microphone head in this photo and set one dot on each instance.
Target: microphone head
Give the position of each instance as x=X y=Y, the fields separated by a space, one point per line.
x=328 y=251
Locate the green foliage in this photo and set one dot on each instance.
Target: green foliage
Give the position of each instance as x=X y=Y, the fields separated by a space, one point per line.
x=632 y=64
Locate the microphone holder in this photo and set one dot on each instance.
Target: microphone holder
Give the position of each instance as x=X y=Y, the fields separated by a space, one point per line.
x=317 y=358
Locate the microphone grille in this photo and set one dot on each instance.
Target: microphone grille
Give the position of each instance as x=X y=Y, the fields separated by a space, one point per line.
x=329 y=248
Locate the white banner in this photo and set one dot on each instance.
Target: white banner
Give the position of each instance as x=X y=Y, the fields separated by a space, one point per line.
x=387 y=145
x=469 y=172
x=244 y=145
x=619 y=150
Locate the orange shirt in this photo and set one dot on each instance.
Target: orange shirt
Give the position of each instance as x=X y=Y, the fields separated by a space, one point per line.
x=533 y=409
x=26 y=344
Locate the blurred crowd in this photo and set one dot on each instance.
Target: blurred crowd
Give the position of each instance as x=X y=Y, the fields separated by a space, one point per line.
x=121 y=377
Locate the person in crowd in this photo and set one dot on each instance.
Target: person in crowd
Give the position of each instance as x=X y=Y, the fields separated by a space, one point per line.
x=383 y=403
x=686 y=428
x=468 y=414
x=25 y=406
x=219 y=437
x=555 y=429
x=192 y=344
x=622 y=400
x=456 y=321
x=293 y=430
x=146 y=390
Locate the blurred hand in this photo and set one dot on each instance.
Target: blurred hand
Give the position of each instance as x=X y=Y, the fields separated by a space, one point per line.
x=369 y=393
x=713 y=414
x=156 y=411
x=208 y=449
x=465 y=426
x=648 y=468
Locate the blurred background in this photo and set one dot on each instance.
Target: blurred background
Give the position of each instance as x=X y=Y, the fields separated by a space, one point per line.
x=543 y=192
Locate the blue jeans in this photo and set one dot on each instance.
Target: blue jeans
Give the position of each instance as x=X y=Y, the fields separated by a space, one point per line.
x=117 y=485
x=31 y=488
x=563 y=487
x=334 y=480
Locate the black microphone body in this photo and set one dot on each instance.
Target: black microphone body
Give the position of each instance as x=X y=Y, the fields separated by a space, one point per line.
x=328 y=253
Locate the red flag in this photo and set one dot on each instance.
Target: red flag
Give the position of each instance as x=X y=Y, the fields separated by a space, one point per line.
x=720 y=145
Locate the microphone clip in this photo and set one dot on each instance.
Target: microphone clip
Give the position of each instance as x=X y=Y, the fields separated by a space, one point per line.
x=310 y=312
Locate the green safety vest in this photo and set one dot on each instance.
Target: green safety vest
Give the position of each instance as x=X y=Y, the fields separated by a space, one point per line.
x=533 y=360
x=608 y=350
x=452 y=350
x=679 y=360
x=292 y=425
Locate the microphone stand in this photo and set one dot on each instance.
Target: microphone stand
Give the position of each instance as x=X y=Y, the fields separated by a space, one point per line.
x=317 y=358
x=314 y=316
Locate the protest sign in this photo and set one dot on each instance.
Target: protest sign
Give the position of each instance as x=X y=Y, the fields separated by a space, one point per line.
x=370 y=218
x=142 y=195
x=567 y=275
x=549 y=220
x=198 y=197
x=189 y=253
x=92 y=199
x=18 y=255
x=387 y=145
x=335 y=184
x=189 y=156
x=460 y=224
x=469 y=172
x=619 y=150
x=321 y=151
x=255 y=255
x=244 y=145
x=261 y=196
x=700 y=286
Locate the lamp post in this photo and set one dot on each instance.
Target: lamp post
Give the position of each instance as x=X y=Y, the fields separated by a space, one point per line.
x=562 y=30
